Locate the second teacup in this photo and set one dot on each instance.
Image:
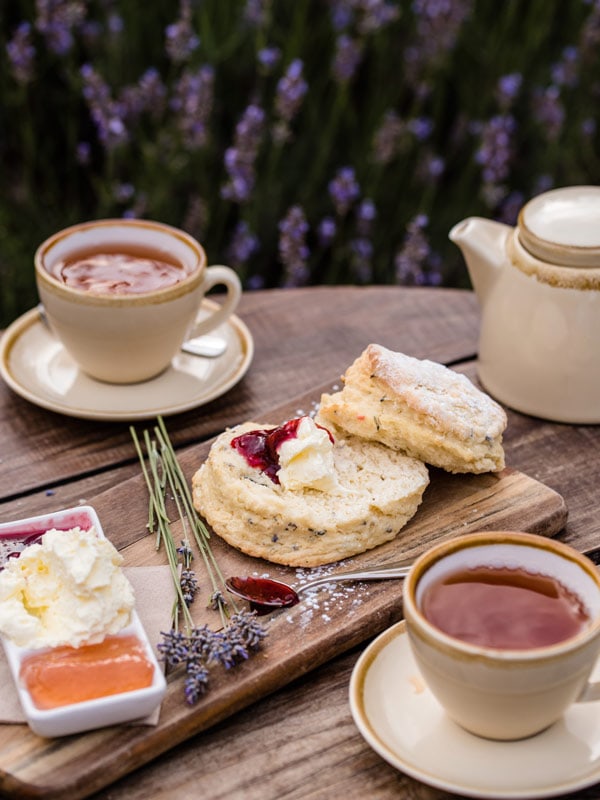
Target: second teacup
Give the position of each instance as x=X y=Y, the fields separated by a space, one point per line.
x=122 y=295
x=505 y=630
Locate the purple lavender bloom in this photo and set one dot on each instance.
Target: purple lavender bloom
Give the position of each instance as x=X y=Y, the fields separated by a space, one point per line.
x=255 y=13
x=421 y=127
x=115 y=24
x=361 y=256
x=269 y=57
x=291 y=89
x=83 y=153
x=432 y=166
x=123 y=192
x=21 y=54
x=342 y=14
x=105 y=113
x=375 y=15
x=326 y=231
x=411 y=258
x=344 y=190
x=243 y=245
x=56 y=20
x=438 y=24
x=181 y=41
x=293 y=249
x=240 y=158
x=387 y=138
x=508 y=88
x=590 y=33
x=192 y=101
x=588 y=127
x=348 y=54
x=549 y=111
x=496 y=149
x=366 y=213
x=566 y=71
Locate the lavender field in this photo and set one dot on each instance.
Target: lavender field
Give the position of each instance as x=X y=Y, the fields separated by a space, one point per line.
x=302 y=141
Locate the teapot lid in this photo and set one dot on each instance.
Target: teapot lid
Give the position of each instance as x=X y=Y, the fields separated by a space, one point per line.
x=563 y=226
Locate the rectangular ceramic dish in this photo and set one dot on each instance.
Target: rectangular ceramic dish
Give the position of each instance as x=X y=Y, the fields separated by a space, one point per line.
x=89 y=714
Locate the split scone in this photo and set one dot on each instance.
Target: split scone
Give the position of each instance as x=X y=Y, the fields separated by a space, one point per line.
x=419 y=407
x=292 y=495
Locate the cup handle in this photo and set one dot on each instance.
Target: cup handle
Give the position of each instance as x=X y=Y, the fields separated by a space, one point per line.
x=215 y=276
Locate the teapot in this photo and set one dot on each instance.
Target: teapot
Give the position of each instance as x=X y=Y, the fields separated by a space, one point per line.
x=538 y=286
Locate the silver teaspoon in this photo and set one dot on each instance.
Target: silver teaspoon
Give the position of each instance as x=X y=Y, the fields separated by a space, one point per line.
x=265 y=594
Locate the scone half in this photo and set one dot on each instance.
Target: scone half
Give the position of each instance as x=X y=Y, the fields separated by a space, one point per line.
x=379 y=491
x=418 y=407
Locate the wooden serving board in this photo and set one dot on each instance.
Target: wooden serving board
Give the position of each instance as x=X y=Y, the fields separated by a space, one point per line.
x=299 y=639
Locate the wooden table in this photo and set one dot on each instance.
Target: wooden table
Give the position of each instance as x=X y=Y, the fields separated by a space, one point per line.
x=301 y=741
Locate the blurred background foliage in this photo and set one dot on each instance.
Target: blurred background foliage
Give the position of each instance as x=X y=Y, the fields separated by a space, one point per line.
x=302 y=141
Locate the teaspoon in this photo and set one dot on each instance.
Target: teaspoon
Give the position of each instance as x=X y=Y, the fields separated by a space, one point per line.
x=265 y=594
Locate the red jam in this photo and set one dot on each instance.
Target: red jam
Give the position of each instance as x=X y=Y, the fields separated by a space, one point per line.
x=260 y=448
x=66 y=675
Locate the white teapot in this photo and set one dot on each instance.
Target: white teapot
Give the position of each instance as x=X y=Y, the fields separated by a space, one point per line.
x=539 y=289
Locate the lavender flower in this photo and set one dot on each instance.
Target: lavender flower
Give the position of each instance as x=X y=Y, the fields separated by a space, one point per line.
x=255 y=13
x=293 y=250
x=438 y=24
x=291 y=89
x=549 y=111
x=123 y=192
x=344 y=190
x=496 y=149
x=239 y=159
x=83 y=153
x=361 y=255
x=268 y=58
x=366 y=214
x=104 y=111
x=196 y=216
x=326 y=231
x=387 y=138
x=192 y=102
x=342 y=14
x=420 y=127
x=196 y=682
x=566 y=71
x=431 y=167
x=243 y=245
x=21 y=54
x=56 y=20
x=348 y=54
x=245 y=627
x=411 y=258
x=189 y=586
x=217 y=600
x=181 y=41
x=508 y=88
x=174 y=648
x=374 y=15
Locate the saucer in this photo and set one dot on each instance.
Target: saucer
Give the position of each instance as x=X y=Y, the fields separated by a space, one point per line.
x=401 y=720
x=37 y=367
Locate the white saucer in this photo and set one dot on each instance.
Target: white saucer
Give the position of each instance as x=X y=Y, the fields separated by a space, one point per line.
x=35 y=365
x=401 y=720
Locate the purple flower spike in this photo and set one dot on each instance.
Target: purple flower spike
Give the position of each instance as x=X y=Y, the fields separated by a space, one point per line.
x=326 y=231
x=344 y=190
x=243 y=245
x=387 y=138
x=239 y=159
x=181 y=41
x=56 y=20
x=21 y=54
x=293 y=250
x=348 y=54
x=192 y=101
x=411 y=258
x=269 y=57
x=291 y=90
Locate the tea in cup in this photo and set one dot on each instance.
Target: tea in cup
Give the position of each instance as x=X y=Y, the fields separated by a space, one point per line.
x=122 y=295
x=505 y=630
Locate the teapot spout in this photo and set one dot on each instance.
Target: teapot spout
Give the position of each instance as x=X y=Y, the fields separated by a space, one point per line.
x=483 y=245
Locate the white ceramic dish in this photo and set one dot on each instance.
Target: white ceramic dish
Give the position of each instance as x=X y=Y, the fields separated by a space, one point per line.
x=401 y=720
x=36 y=366
x=90 y=714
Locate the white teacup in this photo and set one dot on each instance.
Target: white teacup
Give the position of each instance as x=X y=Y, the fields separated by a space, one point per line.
x=502 y=692
x=127 y=331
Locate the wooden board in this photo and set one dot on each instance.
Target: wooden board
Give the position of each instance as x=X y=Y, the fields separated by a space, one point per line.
x=299 y=639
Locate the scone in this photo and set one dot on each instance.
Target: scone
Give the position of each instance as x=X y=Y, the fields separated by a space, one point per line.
x=374 y=492
x=419 y=407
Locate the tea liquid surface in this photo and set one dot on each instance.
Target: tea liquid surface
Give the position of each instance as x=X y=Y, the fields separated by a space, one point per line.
x=119 y=272
x=504 y=608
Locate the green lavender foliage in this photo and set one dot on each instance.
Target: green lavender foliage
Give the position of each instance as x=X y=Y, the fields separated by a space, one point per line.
x=302 y=141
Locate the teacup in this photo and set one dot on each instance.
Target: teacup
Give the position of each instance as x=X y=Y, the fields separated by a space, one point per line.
x=122 y=295
x=497 y=680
